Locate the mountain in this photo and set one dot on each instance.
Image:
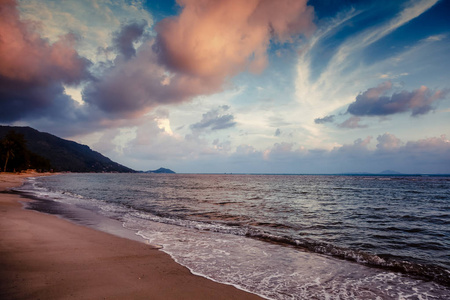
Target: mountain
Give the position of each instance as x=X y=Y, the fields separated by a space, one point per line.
x=64 y=155
x=161 y=170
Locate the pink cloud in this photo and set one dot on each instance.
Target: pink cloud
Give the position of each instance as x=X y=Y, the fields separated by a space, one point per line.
x=352 y=122
x=376 y=92
x=194 y=53
x=438 y=144
x=388 y=142
x=25 y=56
x=220 y=38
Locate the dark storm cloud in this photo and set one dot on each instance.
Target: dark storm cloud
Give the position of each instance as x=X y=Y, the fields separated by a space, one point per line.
x=32 y=71
x=21 y=100
x=374 y=102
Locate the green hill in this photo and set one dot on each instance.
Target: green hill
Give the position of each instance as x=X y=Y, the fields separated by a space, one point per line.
x=63 y=155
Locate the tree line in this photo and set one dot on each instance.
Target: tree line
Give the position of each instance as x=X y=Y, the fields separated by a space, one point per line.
x=16 y=157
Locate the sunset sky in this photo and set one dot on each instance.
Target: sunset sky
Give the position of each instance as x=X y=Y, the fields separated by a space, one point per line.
x=255 y=86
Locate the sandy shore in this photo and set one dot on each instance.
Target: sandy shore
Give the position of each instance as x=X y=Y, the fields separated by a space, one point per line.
x=45 y=257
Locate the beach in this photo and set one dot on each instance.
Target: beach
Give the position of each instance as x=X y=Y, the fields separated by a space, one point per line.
x=45 y=257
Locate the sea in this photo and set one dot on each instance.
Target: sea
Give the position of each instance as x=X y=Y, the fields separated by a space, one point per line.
x=278 y=236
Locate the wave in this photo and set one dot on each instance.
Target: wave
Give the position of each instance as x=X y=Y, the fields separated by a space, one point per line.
x=427 y=272
x=253 y=230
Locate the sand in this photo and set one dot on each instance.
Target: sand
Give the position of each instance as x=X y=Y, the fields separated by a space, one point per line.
x=45 y=257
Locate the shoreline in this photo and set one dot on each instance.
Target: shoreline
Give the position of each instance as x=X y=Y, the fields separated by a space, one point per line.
x=43 y=256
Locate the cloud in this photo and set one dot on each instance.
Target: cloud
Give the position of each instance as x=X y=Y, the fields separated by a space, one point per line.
x=129 y=34
x=429 y=155
x=438 y=144
x=358 y=148
x=282 y=152
x=219 y=38
x=26 y=57
x=392 y=76
x=92 y=20
x=222 y=146
x=327 y=119
x=130 y=88
x=339 y=58
x=146 y=72
x=152 y=143
x=278 y=132
x=352 y=122
x=374 y=102
x=194 y=154
x=33 y=71
x=215 y=120
x=193 y=54
x=388 y=141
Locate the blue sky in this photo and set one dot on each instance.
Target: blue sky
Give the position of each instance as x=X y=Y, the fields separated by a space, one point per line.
x=236 y=87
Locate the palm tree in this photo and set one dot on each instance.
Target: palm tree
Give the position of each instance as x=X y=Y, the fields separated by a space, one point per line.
x=8 y=145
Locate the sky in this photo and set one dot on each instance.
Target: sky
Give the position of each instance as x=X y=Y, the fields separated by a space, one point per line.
x=231 y=86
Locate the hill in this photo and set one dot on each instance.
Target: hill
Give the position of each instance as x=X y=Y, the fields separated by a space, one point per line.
x=64 y=155
x=161 y=170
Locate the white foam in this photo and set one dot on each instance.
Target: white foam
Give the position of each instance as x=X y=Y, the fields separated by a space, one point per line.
x=271 y=270
x=267 y=269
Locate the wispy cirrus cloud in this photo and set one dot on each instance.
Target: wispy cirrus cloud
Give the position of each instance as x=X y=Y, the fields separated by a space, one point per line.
x=345 y=57
x=325 y=88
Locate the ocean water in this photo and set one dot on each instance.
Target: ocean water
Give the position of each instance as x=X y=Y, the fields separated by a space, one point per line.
x=279 y=236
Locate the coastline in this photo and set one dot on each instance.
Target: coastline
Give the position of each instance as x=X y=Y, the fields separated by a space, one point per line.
x=43 y=256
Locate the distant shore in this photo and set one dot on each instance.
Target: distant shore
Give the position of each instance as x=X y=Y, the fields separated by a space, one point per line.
x=43 y=256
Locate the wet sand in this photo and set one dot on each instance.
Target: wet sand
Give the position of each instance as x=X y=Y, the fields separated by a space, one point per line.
x=45 y=257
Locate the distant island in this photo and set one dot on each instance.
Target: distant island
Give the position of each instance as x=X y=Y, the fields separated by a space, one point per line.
x=390 y=172
x=23 y=148
x=161 y=171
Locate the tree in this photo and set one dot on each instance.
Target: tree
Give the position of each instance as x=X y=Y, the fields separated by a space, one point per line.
x=15 y=151
x=16 y=156
x=8 y=146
